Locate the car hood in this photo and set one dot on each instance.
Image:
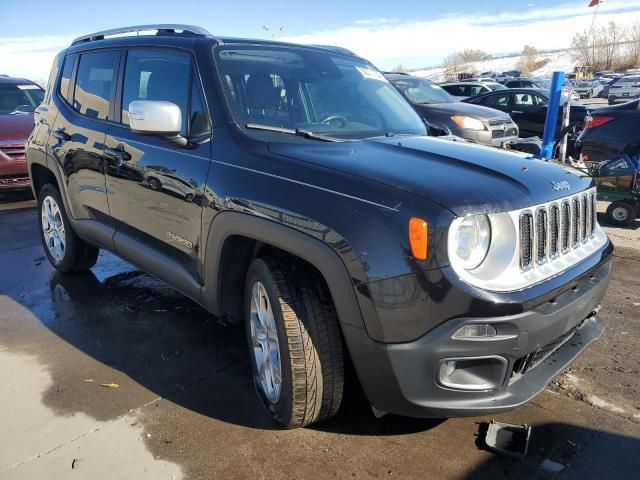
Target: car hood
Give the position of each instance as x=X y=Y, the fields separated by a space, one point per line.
x=15 y=127
x=460 y=108
x=465 y=178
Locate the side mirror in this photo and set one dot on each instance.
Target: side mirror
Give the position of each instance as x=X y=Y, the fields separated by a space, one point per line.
x=155 y=117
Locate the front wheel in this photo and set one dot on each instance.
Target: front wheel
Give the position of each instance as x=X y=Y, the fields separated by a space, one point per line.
x=294 y=341
x=65 y=250
x=620 y=213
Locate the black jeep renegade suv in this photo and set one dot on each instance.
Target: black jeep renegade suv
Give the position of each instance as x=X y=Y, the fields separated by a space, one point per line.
x=292 y=188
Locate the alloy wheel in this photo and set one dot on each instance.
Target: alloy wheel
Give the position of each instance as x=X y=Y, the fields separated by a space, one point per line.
x=53 y=228
x=266 y=348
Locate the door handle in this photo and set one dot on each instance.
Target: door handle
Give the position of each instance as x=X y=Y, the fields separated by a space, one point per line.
x=118 y=155
x=61 y=135
x=516 y=111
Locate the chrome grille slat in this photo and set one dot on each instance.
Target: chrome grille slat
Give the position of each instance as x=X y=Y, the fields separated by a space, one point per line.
x=565 y=225
x=575 y=222
x=526 y=241
x=541 y=235
x=552 y=231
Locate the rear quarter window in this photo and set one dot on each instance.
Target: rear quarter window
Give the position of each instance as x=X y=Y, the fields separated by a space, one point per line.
x=64 y=87
x=94 y=83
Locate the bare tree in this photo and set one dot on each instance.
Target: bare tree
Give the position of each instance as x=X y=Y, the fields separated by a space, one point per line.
x=633 y=45
x=608 y=41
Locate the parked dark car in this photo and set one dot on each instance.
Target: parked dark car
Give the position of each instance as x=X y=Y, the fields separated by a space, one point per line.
x=609 y=132
x=466 y=89
x=525 y=83
x=446 y=116
x=18 y=100
x=328 y=223
x=527 y=107
x=605 y=90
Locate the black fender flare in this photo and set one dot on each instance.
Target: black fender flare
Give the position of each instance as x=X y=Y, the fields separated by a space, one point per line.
x=312 y=250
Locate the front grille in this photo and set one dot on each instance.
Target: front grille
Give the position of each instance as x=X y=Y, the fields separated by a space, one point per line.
x=501 y=128
x=556 y=229
x=13 y=151
x=534 y=359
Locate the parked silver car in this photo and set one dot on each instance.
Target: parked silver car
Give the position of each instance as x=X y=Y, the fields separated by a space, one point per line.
x=588 y=88
x=625 y=89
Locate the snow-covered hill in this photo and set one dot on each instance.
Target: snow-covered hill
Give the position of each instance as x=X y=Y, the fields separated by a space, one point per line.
x=556 y=61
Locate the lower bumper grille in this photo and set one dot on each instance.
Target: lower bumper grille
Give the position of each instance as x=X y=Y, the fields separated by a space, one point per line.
x=534 y=359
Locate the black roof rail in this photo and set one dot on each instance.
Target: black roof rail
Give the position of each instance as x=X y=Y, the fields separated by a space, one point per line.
x=162 y=28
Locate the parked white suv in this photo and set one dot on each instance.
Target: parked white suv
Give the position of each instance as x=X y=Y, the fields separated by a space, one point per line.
x=625 y=89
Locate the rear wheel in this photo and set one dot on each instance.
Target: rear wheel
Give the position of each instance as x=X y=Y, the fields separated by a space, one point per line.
x=620 y=213
x=65 y=250
x=294 y=341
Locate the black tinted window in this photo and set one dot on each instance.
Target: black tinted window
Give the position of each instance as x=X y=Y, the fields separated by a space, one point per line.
x=93 y=83
x=499 y=100
x=199 y=118
x=156 y=75
x=65 y=79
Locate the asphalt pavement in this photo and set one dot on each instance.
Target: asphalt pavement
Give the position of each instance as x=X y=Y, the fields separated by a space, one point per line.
x=113 y=374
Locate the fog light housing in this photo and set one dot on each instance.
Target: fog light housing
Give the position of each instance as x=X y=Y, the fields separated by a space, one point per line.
x=472 y=373
x=475 y=330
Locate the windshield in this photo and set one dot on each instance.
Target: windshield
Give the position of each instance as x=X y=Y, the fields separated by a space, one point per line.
x=422 y=91
x=583 y=85
x=310 y=90
x=17 y=99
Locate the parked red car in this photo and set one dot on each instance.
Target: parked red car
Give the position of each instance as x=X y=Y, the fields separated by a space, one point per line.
x=18 y=100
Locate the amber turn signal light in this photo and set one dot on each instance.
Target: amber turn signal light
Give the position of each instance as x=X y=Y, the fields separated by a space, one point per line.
x=418 y=236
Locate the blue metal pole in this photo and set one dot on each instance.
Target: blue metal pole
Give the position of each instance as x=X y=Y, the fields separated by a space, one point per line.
x=551 y=122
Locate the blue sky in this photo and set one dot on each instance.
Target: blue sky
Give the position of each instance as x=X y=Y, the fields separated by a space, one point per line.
x=412 y=32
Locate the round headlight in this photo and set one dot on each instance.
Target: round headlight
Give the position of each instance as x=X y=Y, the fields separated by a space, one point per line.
x=471 y=241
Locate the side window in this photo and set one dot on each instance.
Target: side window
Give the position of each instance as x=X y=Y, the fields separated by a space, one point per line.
x=498 y=100
x=199 y=118
x=524 y=100
x=65 y=79
x=94 y=82
x=476 y=90
x=156 y=75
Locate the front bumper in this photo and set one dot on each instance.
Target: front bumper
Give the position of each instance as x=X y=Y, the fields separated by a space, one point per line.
x=402 y=378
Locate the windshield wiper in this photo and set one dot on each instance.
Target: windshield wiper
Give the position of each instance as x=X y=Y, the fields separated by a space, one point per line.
x=299 y=132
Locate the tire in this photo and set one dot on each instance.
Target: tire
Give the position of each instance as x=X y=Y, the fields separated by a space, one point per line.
x=620 y=213
x=610 y=101
x=590 y=94
x=309 y=343
x=65 y=250
x=155 y=184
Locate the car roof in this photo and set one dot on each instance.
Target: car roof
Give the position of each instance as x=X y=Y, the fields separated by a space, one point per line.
x=168 y=35
x=5 y=79
x=465 y=83
x=539 y=91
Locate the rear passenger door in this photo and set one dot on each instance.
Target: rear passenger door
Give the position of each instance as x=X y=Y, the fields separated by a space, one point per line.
x=84 y=100
x=155 y=185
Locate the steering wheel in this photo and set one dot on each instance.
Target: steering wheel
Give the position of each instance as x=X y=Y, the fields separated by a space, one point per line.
x=336 y=118
x=21 y=109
